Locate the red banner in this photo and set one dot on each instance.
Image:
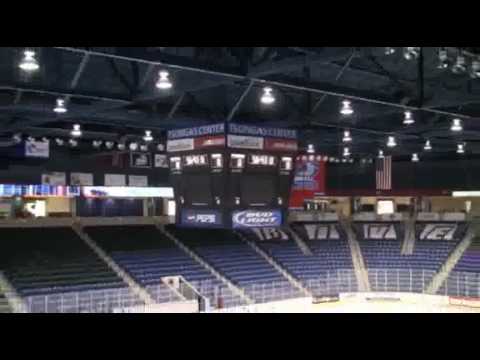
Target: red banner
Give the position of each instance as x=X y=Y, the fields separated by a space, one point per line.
x=209 y=141
x=309 y=179
x=280 y=144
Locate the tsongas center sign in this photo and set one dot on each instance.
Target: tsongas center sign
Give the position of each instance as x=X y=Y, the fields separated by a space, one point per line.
x=254 y=218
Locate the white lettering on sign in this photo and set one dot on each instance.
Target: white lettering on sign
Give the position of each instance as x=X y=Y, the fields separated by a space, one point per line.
x=438 y=232
x=379 y=231
x=197 y=131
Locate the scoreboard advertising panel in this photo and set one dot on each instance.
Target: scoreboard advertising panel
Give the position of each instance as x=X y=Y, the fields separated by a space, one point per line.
x=201 y=218
x=256 y=218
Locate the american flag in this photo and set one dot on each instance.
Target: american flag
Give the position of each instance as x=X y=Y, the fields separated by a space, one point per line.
x=383 y=173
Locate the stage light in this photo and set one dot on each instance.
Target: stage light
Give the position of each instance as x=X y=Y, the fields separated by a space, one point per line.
x=346 y=136
x=460 y=64
x=310 y=149
x=427 y=146
x=76 y=132
x=346 y=108
x=408 y=120
x=29 y=63
x=415 y=157
x=380 y=154
x=133 y=146
x=456 y=125
x=389 y=50
x=460 y=148
x=267 y=96
x=163 y=82
x=391 y=141
x=109 y=144
x=442 y=59
x=148 y=136
x=60 y=107
x=411 y=53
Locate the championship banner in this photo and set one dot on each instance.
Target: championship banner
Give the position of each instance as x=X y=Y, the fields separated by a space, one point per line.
x=245 y=142
x=140 y=160
x=206 y=130
x=309 y=180
x=54 y=178
x=209 y=141
x=256 y=218
x=37 y=149
x=161 y=161
x=78 y=179
x=201 y=218
x=262 y=131
x=115 y=180
x=137 y=180
x=280 y=145
x=180 y=145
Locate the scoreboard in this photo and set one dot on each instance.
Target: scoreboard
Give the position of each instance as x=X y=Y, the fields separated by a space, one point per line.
x=231 y=175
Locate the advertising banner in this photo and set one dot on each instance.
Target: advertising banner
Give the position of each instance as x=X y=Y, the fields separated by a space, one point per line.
x=309 y=179
x=280 y=145
x=209 y=142
x=379 y=231
x=212 y=129
x=241 y=129
x=201 y=218
x=180 y=145
x=115 y=180
x=37 y=149
x=78 y=179
x=140 y=160
x=54 y=178
x=137 y=180
x=127 y=192
x=161 y=161
x=245 y=142
x=256 y=218
x=438 y=231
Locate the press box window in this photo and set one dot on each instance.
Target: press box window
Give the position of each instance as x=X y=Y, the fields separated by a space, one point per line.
x=286 y=163
x=175 y=163
x=217 y=161
x=263 y=160
x=385 y=207
x=195 y=160
x=237 y=161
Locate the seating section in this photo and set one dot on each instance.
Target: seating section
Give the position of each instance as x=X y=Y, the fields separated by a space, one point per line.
x=389 y=270
x=238 y=262
x=148 y=256
x=464 y=278
x=329 y=270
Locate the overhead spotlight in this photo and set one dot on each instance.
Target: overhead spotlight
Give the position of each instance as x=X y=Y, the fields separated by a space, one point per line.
x=346 y=108
x=60 y=107
x=160 y=147
x=59 y=141
x=17 y=138
x=408 y=120
x=97 y=143
x=380 y=154
x=346 y=152
x=460 y=148
x=389 y=50
x=411 y=53
x=415 y=157
x=391 y=141
x=109 y=145
x=133 y=146
x=143 y=147
x=456 y=125
x=164 y=82
x=475 y=69
x=310 y=149
x=76 y=132
x=121 y=146
x=267 y=96
x=73 y=142
x=460 y=64
x=346 y=136
x=427 y=146
x=29 y=63
x=148 y=136
x=442 y=59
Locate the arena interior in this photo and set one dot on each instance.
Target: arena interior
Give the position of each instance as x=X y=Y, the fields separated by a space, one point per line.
x=239 y=180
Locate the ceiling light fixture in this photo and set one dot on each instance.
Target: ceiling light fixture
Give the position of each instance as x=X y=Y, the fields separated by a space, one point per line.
x=475 y=69
x=163 y=82
x=267 y=96
x=346 y=136
x=460 y=64
x=121 y=146
x=346 y=152
x=442 y=58
x=148 y=136
x=408 y=120
x=133 y=146
x=346 y=108
x=389 y=50
x=143 y=147
x=415 y=157
x=380 y=154
x=97 y=143
x=60 y=107
x=73 y=142
x=411 y=53
x=59 y=141
x=109 y=145
x=310 y=149
x=456 y=125
x=76 y=132
x=391 y=142
x=29 y=63
x=460 y=148
x=427 y=146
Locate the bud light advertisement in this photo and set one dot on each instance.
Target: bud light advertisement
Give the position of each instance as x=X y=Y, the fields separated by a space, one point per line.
x=201 y=218
x=256 y=218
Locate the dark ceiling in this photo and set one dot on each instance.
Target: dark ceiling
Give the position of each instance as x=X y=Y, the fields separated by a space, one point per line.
x=111 y=92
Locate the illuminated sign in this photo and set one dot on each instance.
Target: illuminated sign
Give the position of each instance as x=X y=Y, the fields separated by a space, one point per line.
x=254 y=218
x=124 y=192
x=7 y=190
x=201 y=218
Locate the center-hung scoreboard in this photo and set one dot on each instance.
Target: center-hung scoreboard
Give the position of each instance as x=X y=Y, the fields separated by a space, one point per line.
x=231 y=175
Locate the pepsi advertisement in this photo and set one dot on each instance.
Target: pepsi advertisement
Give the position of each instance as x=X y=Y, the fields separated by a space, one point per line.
x=256 y=218
x=201 y=218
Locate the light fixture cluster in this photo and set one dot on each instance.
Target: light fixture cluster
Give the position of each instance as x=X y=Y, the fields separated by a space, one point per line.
x=459 y=63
